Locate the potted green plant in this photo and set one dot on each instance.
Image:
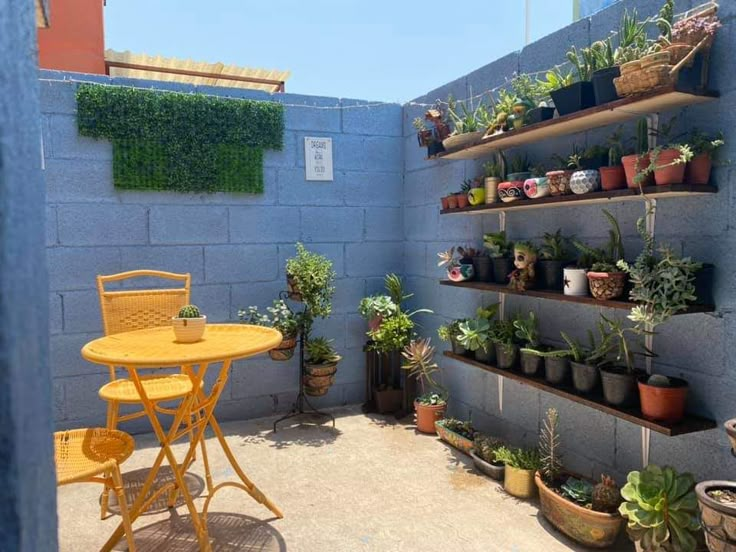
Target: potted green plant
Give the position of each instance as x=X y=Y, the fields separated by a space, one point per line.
x=585 y=360
x=189 y=324
x=535 y=95
x=310 y=279
x=283 y=319
x=619 y=378
x=469 y=123
x=537 y=185
x=375 y=308
x=613 y=176
x=554 y=255
x=482 y=266
x=513 y=188
x=424 y=135
x=320 y=366
x=462 y=195
x=583 y=181
x=451 y=334
x=717 y=503
x=493 y=171
x=575 y=276
x=605 y=70
x=667 y=163
x=520 y=465
x=526 y=330
x=499 y=250
x=431 y=404
x=638 y=158
x=475 y=334
x=661 y=509
x=704 y=148
x=606 y=280
x=503 y=335
x=458 y=433
x=484 y=456
x=584 y=512
x=579 y=95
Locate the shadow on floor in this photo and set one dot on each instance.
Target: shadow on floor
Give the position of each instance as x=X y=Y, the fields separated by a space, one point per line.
x=133 y=483
x=305 y=431
x=622 y=544
x=228 y=533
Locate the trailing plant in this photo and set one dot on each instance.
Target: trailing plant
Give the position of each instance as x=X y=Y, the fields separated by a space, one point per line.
x=497 y=244
x=703 y=143
x=418 y=361
x=661 y=508
x=699 y=27
x=555 y=246
x=519 y=458
x=181 y=142
x=578 y=490
x=314 y=277
x=685 y=155
x=377 y=305
x=486 y=447
x=605 y=259
x=320 y=351
x=549 y=443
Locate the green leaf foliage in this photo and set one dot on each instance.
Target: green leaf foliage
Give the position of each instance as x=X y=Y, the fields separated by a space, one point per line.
x=181 y=142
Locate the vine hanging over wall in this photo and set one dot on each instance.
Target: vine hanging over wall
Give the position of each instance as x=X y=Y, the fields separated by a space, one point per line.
x=181 y=142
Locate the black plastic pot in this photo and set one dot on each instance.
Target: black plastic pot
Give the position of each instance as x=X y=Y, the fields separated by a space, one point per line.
x=704 y=285
x=502 y=267
x=483 y=269
x=603 y=87
x=457 y=348
x=585 y=378
x=539 y=114
x=619 y=386
x=575 y=97
x=506 y=356
x=550 y=273
x=487 y=356
x=556 y=370
x=530 y=363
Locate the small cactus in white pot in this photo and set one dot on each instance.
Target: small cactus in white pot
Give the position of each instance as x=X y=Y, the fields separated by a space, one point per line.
x=189 y=324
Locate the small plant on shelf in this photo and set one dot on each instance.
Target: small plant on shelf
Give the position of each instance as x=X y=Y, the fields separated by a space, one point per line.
x=553 y=256
x=606 y=280
x=418 y=361
x=503 y=335
x=458 y=261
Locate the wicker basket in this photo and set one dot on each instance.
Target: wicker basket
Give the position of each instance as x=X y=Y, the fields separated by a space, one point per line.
x=655 y=59
x=630 y=67
x=644 y=79
x=678 y=52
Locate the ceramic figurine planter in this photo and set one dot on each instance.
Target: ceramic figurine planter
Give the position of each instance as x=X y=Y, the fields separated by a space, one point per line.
x=523 y=277
x=511 y=191
x=559 y=182
x=583 y=182
x=534 y=188
x=575 y=281
x=665 y=404
x=460 y=273
x=718 y=518
x=491 y=184
x=605 y=286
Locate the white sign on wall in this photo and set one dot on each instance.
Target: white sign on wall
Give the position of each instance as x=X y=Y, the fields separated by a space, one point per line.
x=318 y=158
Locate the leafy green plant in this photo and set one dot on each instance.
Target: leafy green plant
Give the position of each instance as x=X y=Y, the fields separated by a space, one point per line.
x=451 y=331
x=377 y=305
x=162 y=140
x=418 y=361
x=419 y=124
x=685 y=155
x=519 y=164
x=313 y=275
x=320 y=351
x=189 y=311
x=605 y=259
x=474 y=334
x=619 y=339
x=549 y=443
x=632 y=38
x=528 y=89
x=578 y=490
x=519 y=458
x=485 y=448
x=281 y=318
x=493 y=169
x=703 y=143
x=664 y=20
x=497 y=244
x=393 y=334
x=555 y=246
x=596 y=352
x=661 y=508
x=527 y=330
x=556 y=79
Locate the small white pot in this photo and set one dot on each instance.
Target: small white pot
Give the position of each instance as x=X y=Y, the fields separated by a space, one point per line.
x=188 y=330
x=576 y=281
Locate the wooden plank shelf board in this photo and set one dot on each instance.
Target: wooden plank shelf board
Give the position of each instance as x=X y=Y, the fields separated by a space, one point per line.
x=555 y=295
x=592 y=198
x=690 y=424
x=625 y=109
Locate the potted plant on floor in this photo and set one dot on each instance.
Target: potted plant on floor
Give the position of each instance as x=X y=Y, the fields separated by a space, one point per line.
x=375 y=308
x=320 y=366
x=459 y=263
x=526 y=331
x=606 y=280
x=499 y=250
x=493 y=171
x=189 y=324
x=513 y=188
x=638 y=159
x=520 y=465
x=431 y=404
x=458 y=433
x=584 y=512
x=554 y=255
x=451 y=334
x=613 y=176
x=661 y=509
x=484 y=456
x=704 y=148
x=503 y=335
x=281 y=318
x=717 y=503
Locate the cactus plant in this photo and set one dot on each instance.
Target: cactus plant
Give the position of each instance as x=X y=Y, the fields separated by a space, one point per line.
x=189 y=311
x=606 y=496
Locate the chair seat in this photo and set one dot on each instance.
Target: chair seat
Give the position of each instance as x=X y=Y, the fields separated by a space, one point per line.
x=158 y=388
x=82 y=453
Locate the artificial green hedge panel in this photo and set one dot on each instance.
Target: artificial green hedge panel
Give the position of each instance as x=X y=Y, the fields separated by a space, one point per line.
x=181 y=142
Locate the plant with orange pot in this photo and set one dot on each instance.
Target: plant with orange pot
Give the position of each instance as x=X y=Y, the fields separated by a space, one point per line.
x=431 y=405
x=704 y=148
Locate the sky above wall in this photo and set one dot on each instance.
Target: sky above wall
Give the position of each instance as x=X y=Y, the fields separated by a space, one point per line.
x=392 y=50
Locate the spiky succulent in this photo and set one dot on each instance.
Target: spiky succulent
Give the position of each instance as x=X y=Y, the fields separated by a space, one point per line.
x=320 y=351
x=419 y=362
x=606 y=495
x=189 y=311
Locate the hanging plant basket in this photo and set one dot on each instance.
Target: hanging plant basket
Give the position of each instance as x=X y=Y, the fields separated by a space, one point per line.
x=284 y=351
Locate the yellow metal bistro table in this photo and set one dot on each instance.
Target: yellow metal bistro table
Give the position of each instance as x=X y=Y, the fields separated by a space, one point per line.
x=158 y=348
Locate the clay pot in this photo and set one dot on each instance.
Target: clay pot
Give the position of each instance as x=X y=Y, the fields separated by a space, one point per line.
x=491 y=184
x=556 y=370
x=619 y=386
x=585 y=377
x=462 y=200
x=718 y=520
x=427 y=415
x=587 y=527
x=605 y=286
x=698 y=169
x=584 y=182
x=506 y=356
x=534 y=188
x=559 y=182
x=519 y=483
x=494 y=471
x=530 y=363
x=612 y=178
x=451 y=201
x=445 y=205
x=730 y=426
x=634 y=164
x=511 y=191
x=672 y=174
x=461 y=443
x=575 y=281
x=665 y=404
x=483 y=268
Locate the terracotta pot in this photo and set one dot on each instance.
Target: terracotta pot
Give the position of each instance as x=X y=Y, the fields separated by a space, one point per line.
x=612 y=178
x=494 y=471
x=451 y=201
x=672 y=174
x=730 y=426
x=284 y=351
x=463 y=444
x=634 y=164
x=559 y=182
x=445 y=204
x=462 y=200
x=316 y=382
x=427 y=415
x=511 y=191
x=587 y=527
x=605 y=286
x=519 y=483
x=718 y=520
x=664 y=404
x=491 y=184
x=698 y=169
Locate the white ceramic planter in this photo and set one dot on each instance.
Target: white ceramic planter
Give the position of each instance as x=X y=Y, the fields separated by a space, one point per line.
x=583 y=182
x=534 y=188
x=575 y=281
x=188 y=330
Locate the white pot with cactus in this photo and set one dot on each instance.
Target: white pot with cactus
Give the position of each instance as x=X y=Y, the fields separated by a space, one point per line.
x=189 y=324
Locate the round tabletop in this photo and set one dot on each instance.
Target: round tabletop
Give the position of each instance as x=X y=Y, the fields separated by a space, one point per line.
x=157 y=347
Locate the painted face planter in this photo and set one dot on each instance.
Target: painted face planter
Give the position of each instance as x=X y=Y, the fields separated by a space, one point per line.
x=559 y=182
x=584 y=182
x=511 y=191
x=534 y=188
x=460 y=273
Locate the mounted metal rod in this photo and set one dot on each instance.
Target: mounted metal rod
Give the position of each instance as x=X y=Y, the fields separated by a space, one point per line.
x=646 y=433
x=501 y=311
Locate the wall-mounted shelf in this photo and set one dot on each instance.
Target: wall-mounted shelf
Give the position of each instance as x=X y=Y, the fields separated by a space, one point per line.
x=559 y=296
x=625 y=109
x=593 y=198
x=690 y=424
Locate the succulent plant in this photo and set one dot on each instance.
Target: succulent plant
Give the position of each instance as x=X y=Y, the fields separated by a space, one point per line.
x=519 y=458
x=189 y=311
x=578 y=490
x=497 y=244
x=320 y=351
x=461 y=427
x=549 y=442
x=474 y=334
x=418 y=360
x=555 y=246
x=377 y=305
x=605 y=259
x=606 y=495
x=527 y=330
x=486 y=447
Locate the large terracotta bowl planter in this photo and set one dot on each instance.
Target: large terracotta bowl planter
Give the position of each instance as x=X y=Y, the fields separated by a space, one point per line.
x=519 y=483
x=463 y=444
x=718 y=519
x=427 y=415
x=589 y=528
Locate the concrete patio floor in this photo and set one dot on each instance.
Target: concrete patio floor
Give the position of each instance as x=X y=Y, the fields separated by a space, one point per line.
x=372 y=484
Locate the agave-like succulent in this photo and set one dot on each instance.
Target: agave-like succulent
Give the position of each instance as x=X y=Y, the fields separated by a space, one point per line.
x=578 y=490
x=419 y=361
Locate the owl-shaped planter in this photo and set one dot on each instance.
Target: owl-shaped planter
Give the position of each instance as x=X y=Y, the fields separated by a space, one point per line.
x=559 y=182
x=583 y=182
x=511 y=191
x=534 y=188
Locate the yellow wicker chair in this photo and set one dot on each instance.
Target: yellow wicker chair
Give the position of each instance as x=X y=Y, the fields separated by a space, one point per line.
x=125 y=310
x=94 y=456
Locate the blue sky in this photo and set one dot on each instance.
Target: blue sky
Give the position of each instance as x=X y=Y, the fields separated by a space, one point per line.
x=392 y=50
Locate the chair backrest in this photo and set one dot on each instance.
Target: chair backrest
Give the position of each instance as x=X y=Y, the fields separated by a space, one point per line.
x=135 y=309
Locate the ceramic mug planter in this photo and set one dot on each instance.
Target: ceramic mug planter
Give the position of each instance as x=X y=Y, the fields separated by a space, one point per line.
x=575 y=281
x=605 y=286
x=511 y=191
x=460 y=273
x=698 y=170
x=188 y=330
x=613 y=178
x=584 y=182
x=427 y=415
x=559 y=182
x=534 y=188
x=666 y=173
x=491 y=184
x=717 y=518
x=664 y=404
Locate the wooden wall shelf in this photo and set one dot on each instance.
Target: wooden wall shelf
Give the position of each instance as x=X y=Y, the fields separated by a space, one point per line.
x=593 y=198
x=625 y=109
x=559 y=296
x=690 y=424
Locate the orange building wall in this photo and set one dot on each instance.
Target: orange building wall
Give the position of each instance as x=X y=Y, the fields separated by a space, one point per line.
x=75 y=38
